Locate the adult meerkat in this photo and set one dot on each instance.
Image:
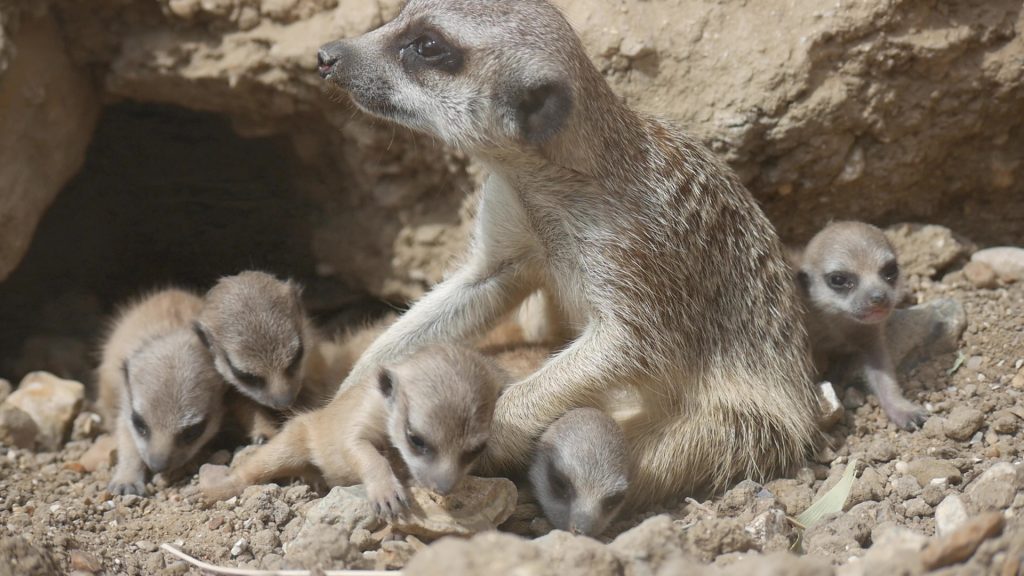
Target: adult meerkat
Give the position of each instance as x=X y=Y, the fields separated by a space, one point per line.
x=645 y=241
x=435 y=408
x=158 y=388
x=850 y=279
x=580 y=472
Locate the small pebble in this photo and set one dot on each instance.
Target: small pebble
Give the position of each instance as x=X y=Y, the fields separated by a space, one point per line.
x=239 y=547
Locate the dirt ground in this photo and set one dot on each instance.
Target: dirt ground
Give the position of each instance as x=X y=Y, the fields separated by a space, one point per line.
x=56 y=517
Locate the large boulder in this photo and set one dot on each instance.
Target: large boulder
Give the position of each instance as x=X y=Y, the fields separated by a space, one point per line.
x=880 y=110
x=47 y=112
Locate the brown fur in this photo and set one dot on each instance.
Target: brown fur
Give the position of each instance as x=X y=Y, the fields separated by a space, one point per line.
x=671 y=277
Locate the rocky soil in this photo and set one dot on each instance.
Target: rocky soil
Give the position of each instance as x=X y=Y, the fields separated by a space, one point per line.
x=947 y=499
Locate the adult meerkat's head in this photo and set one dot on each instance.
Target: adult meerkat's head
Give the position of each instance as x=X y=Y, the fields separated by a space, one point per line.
x=440 y=406
x=849 y=270
x=257 y=330
x=478 y=74
x=173 y=399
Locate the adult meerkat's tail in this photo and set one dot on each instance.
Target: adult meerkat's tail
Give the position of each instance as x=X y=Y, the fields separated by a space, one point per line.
x=718 y=437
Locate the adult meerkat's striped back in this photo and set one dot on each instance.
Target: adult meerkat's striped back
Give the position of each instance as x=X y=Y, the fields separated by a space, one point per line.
x=645 y=242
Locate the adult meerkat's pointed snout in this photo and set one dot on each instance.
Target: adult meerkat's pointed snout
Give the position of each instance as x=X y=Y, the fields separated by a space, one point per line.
x=328 y=55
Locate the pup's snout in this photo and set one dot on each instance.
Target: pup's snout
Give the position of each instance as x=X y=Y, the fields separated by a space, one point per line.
x=327 y=56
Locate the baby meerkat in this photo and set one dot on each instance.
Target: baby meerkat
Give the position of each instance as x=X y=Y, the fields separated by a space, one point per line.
x=850 y=279
x=435 y=408
x=158 y=388
x=580 y=472
x=258 y=332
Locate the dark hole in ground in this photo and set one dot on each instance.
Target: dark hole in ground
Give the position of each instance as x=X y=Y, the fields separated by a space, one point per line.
x=166 y=197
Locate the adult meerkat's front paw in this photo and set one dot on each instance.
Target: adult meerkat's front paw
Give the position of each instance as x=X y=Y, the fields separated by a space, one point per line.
x=906 y=414
x=510 y=443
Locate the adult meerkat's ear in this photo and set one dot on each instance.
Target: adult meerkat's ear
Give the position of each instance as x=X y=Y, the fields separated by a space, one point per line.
x=540 y=108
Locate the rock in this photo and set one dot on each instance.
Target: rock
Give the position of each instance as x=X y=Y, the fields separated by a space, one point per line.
x=950 y=514
x=1005 y=422
x=996 y=487
x=50 y=108
x=84 y=562
x=917 y=508
x=100 y=455
x=713 y=537
x=578 y=555
x=894 y=550
x=881 y=451
x=86 y=426
x=52 y=403
x=771 y=529
x=17 y=428
x=327 y=545
x=961 y=544
x=924 y=331
x=1006 y=261
x=794 y=496
x=21 y=558
x=832 y=410
x=963 y=422
x=739 y=498
x=924 y=470
x=838 y=535
x=478 y=504
x=774 y=564
x=5 y=390
x=905 y=487
x=654 y=542
x=345 y=507
x=981 y=275
x=394 y=555
x=240 y=546
x=487 y=553
x=926 y=250
x=934 y=492
x=869 y=486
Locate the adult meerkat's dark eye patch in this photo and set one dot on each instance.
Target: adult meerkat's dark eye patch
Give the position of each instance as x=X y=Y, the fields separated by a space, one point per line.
x=421 y=47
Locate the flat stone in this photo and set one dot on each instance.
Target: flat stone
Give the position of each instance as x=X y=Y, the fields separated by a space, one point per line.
x=950 y=514
x=488 y=553
x=1006 y=261
x=52 y=402
x=924 y=470
x=961 y=544
x=345 y=507
x=17 y=428
x=921 y=332
x=996 y=488
x=84 y=562
x=477 y=505
x=963 y=422
x=981 y=275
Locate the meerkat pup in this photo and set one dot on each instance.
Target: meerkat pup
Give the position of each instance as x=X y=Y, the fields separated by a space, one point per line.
x=647 y=245
x=158 y=388
x=580 y=472
x=850 y=280
x=435 y=408
x=258 y=332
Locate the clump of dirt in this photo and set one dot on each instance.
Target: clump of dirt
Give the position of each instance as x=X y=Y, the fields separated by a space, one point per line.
x=921 y=499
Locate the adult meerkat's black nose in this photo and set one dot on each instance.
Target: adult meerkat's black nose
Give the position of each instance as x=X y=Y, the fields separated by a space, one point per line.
x=327 y=56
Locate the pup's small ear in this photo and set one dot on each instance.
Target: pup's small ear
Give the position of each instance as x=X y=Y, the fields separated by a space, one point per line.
x=541 y=109
x=201 y=333
x=386 y=383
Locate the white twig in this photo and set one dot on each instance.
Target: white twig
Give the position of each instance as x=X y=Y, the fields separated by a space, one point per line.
x=228 y=571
